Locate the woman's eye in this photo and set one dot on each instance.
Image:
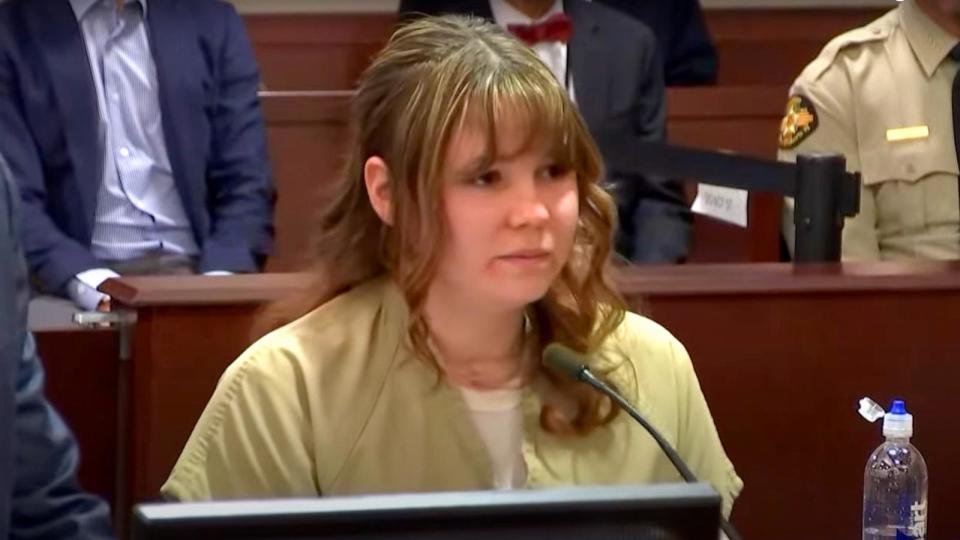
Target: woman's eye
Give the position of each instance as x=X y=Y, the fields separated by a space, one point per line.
x=485 y=179
x=555 y=171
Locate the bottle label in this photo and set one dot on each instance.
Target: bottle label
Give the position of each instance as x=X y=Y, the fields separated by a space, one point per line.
x=918 y=521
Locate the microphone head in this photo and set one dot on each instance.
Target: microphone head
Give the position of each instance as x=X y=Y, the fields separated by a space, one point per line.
x=565 y=360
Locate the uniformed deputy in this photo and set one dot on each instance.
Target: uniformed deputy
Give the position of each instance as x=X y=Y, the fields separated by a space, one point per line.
x=882 y=96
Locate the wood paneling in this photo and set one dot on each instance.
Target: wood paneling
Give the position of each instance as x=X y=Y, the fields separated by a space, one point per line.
x=166 y=379
x=754 y=46
x=769 y=46
x=82 y=383
x=308 y=133
x=316 y=52
x=783 y=353
x=742 y=119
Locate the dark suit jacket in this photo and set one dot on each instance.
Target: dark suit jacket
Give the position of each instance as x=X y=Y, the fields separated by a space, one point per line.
x=618 y=82
x=212 y=123
x=689 y=56
x=39 y=497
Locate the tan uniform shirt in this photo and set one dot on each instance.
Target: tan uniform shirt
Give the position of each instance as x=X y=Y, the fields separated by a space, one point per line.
x=881 y=96
x=335 y=404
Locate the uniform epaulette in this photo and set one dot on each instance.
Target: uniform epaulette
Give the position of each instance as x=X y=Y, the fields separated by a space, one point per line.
x=877 y=30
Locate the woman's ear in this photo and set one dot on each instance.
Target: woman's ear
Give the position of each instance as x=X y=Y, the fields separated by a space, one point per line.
x=377 y=178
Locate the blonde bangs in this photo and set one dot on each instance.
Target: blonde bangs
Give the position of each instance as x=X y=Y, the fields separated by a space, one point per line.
x=532 y=103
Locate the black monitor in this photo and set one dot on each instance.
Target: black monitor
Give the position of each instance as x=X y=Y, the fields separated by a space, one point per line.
x=651 y=512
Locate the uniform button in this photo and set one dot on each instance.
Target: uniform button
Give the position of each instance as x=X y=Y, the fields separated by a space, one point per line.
x=876 y=31
x=911 y=169
x=125 y=152
x=115 y=96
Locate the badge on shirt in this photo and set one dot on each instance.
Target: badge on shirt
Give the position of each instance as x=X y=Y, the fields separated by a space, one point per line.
x=799 y=122
x=911 y=133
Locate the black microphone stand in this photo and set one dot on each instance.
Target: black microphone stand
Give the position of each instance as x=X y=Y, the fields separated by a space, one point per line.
x=584 y=375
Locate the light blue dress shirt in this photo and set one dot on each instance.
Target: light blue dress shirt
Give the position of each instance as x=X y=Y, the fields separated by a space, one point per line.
x=139 y=210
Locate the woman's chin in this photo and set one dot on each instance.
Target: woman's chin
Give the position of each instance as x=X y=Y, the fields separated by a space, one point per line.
x=518 y=294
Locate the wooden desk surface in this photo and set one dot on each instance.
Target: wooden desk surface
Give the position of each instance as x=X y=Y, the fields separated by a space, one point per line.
x=769 y=279
x=682 y=280
x=156 y=291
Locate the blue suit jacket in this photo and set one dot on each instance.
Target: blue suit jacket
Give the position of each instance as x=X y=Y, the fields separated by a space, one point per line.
x=213 y=128
x=39 y=497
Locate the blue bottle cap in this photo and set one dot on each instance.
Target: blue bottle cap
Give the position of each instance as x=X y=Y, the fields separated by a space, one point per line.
x=898 y=407
x=898 y=423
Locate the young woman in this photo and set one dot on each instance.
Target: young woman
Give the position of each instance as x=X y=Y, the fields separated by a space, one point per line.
x=468 y=232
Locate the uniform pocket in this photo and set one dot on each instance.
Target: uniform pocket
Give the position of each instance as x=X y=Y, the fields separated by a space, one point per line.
x=914 y=183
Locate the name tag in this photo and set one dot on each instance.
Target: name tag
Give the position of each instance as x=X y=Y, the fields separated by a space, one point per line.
x=908 y=133
x=723 y=203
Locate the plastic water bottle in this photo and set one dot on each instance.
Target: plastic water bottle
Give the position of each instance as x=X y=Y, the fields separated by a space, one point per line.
x=895 y=483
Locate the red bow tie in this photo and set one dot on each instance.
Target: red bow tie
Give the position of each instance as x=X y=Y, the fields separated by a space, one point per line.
x=558 y=27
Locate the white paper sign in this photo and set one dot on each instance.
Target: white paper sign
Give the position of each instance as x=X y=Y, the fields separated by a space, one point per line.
x=725 y=204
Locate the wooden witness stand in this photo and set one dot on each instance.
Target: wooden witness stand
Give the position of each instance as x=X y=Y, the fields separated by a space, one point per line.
x=783 y=354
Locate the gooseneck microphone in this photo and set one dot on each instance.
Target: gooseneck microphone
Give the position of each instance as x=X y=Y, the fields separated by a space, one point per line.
x=567 y=361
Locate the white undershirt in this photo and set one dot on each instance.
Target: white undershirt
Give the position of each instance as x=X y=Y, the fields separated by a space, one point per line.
x=553 y=54
x=498 y=417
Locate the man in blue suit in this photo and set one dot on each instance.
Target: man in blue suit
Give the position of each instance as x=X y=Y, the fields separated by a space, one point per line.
x=39 y=497
x=135 y=133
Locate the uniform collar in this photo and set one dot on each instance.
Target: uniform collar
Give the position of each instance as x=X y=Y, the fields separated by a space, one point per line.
x=930 y=43
x=81 y=7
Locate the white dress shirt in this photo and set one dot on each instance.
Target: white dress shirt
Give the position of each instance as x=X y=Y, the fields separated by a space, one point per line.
x=499 y=421
x=139 y=210
x=553 y=54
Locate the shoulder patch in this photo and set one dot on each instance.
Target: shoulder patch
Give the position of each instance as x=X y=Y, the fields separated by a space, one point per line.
x=799 y=122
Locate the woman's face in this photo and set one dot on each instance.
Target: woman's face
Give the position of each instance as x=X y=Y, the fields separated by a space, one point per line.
x=511 y=218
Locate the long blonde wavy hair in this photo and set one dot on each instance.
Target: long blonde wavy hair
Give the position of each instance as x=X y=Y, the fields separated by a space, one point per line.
x=434 y=75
